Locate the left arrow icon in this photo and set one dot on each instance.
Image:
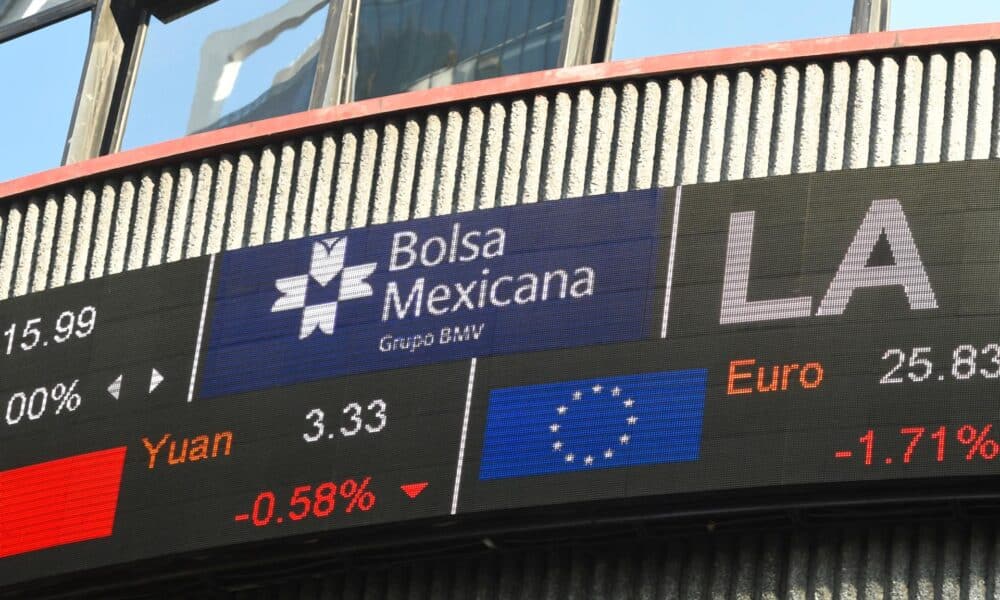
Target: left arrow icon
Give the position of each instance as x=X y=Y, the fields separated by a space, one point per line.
x=115 y=389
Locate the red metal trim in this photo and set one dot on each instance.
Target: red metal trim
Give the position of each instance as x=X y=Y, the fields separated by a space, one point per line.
x=285 y=126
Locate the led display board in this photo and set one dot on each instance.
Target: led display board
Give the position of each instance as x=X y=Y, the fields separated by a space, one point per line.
x=797 y=331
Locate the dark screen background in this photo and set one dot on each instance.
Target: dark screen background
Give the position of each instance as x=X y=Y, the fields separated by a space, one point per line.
x=803 y=227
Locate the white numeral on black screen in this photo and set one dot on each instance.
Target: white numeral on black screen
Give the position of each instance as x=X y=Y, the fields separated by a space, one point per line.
x=355 y=419
x=967 y=361
x=34 y=333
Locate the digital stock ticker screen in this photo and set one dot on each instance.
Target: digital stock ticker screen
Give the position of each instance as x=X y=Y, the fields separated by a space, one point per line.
x=810 y=330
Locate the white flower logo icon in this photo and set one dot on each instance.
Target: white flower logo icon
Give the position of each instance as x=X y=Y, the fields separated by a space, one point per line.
x=327 y=263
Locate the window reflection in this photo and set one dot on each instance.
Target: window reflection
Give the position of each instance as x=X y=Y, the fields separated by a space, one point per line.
x=231 y=62
x=417 y=44
x=15 y=10
x=40 y=88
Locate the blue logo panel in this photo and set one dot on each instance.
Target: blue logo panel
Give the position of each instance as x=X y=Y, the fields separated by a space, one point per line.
x=588 y=424
x=507 y=280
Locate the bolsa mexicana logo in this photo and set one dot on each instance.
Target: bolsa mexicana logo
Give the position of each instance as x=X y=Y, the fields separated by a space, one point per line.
x=326 y=264
x=479 y=283
x=412 y=297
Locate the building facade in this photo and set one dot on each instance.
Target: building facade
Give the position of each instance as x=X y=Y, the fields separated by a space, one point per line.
x=854 y=102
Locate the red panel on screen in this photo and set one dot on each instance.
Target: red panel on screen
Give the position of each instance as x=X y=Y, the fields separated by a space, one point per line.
x=59 y=502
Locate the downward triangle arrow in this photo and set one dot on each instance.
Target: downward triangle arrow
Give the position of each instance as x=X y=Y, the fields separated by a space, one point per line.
x=154 y=380
x=115 y=388
x=413 y=489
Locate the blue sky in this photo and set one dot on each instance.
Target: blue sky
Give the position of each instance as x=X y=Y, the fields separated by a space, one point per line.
x=41 y=74
x=44 y=67
x=722 y=23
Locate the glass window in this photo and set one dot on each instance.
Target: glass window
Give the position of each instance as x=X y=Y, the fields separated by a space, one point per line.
x=40 y=87
x=418 y=44
x=649 y=28
x=910 y=14
x=231 y=62
x=14 y=10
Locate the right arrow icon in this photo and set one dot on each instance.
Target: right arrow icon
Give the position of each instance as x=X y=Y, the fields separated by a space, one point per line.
x=413 y=489
x=154 y=380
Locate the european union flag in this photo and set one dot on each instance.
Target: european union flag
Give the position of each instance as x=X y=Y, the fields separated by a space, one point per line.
x=602 y=423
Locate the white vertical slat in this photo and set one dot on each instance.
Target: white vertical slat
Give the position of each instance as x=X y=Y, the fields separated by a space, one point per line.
x=403 y=199
x=995 y=125
x=517 y=132
x=579 y=143
x=977 y=569
x=761 y=123
x=428 y=166
x=262 y=196
x=344 y=180
x=949 y=585
x=933 y=106
x=785 y=125
x=11 y=237
x=140 y=225
x=102 y=231
x=161 y=218
x=198 y=221
x=649 y=124
x=492 y=152
x=46 y=243
x=388 y=157
x=451 y=145
x=714 y=143
x=4 y=235
x=670 y=134
x=908 y=121
x=303 y=189
x=981 y=111
x=860 y=115
x=694 y=127
x=738 y=127
x=84 y=235
x=899 y=565
x=887 y=82
x=26 y=251
x=277 y=227
x=62 y=252
x=837 y=102
x=365 y=178
x=242 y=185
x=122 y=226
x=624 y=145
x=531 y=181
x=956 y=116
x=470 y=160
x=319 y=221
x=558 y=139
x=849 y=563
x=182 y=206
x=221 y=194
x=807 y=138
x=603 y=134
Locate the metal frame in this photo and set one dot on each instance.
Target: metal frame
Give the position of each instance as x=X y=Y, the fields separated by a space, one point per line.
x=870 y=15
x=117 y=33
x=334 y=83
x=588 y=32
